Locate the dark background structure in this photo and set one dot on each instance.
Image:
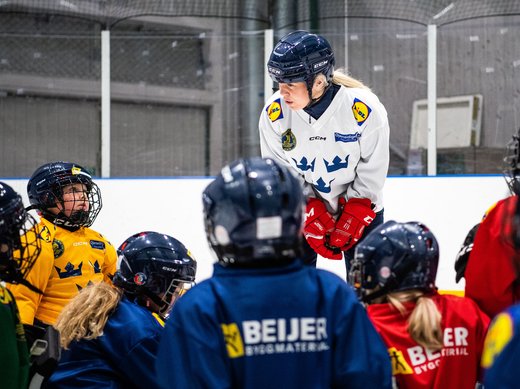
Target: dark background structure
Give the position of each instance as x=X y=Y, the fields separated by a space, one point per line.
x=187 y=77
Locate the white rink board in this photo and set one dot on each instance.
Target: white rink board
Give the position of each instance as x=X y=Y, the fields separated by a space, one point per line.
x=449 y=206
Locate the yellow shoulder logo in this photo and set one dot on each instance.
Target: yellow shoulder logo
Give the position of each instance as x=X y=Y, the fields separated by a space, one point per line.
x=498 y=336
x=274 y=111
x=5 y=296
x=361 y=111
x=45 y=234
x=399 y=364
x=234 y=344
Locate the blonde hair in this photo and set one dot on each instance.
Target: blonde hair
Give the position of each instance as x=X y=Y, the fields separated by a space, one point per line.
x=85 y=316
x=424 y=323
x=341 y=78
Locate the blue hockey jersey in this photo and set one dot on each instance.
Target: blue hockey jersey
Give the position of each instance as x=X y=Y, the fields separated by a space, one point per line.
x=123 y=357
x=288 y=327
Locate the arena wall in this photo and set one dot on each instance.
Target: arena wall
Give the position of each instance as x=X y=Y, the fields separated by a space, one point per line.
x=448 y=205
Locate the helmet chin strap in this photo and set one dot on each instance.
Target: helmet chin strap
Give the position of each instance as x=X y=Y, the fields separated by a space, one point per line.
x=60 y=220
x=158 y=301
x=71 y=223
x=313 y=101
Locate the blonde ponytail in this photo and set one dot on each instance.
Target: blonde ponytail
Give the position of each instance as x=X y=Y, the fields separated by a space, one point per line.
x=424 y=323
x=341 y=78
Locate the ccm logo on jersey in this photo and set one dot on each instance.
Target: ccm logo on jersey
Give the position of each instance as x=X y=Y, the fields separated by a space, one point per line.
x=318 y=138
x=274 y=111
x=361 y=111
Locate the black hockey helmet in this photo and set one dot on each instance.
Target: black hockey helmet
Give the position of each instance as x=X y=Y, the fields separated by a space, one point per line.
x=45 y=190
x=19 y=241
x=299 y=57
x=156 y=266
x=512 y=164
x=394 y=257
x=253 y=213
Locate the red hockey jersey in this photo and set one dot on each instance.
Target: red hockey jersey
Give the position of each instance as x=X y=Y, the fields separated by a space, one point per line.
x=455 y=366
x=490 y=275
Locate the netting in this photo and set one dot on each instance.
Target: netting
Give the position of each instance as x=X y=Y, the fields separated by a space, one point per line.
x=111 y=12
x=437 y=12
x=187 y=77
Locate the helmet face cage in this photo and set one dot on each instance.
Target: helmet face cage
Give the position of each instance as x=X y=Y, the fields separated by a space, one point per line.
x=175 y=290
x=46 y=190
x=299 y=57
x=19 y=242
x=512 y=164
x=362 y=275
x=395 y=257
x=155 y=266
x=253 y=214
x=170 y=286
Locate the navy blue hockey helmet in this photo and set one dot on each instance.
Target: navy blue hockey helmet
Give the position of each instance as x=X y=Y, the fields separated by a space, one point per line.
x=156 y=266
x=19 y=242
x=253 y=213
x=299 y=57
x=512 y=164
x=395 y=257
x=45 y=190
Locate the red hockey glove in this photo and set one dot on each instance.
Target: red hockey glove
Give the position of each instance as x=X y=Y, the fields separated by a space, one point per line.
x=355 y=216
x=318 y=224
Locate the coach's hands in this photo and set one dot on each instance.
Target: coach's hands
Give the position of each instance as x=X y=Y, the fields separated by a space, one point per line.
x=356 y=214
x=319 y=223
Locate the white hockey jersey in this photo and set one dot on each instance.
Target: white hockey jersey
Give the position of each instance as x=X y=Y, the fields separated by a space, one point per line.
x=343 y=153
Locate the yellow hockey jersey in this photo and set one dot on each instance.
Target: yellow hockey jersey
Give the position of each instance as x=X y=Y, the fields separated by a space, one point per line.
x=68 y=262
